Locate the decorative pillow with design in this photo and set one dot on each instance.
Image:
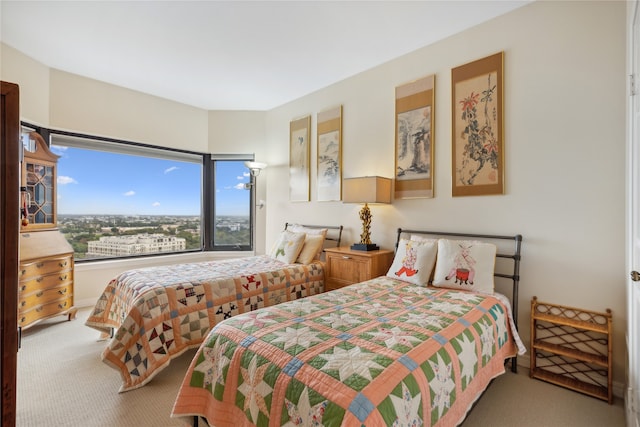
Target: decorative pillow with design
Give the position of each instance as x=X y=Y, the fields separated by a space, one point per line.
x=287 y=246
x=311 y=249
x=414 y=261
x=465 y=264
x=313 y=242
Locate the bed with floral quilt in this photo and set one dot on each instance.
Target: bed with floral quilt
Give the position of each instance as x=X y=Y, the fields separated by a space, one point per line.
x=399 y=349
x=155 y=314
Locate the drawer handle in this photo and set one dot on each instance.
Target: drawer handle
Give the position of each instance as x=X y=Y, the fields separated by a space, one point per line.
x=39 y=279
x=62 y=291
x=63 y=278
x=23 y=303
x=40 y=264
x=39 y=309
x=39 y=294
x=23 y=319
x=23 y=288
x=63 y=263
x=63 y=305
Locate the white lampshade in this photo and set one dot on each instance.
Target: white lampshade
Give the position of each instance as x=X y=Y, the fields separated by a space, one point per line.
x=255 y=167
x=366 y=189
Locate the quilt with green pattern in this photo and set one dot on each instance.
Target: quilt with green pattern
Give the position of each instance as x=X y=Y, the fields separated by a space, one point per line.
x=379 y=353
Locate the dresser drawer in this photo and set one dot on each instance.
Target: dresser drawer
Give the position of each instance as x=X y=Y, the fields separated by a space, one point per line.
x=41 y=267
x=38 y=283
x=28 y=301
x=39 y=312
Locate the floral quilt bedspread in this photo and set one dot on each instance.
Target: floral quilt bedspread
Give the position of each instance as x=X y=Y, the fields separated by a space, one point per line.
x=378 y=353
x=157 y=313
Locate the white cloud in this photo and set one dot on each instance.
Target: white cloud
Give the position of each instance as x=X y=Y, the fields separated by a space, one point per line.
x=63 y=180
x=59 y=150
x=239 y=186
x=171 y=169
x=129 y=193
x=155 y=204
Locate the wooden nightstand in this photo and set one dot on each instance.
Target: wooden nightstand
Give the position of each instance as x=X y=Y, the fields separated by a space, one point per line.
x=346 y=266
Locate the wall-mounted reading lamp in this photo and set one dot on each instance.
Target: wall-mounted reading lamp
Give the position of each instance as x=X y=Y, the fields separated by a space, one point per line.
x=254 y=169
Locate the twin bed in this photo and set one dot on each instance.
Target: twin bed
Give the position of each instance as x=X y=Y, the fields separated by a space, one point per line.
x=388 y=351
x=155 y=314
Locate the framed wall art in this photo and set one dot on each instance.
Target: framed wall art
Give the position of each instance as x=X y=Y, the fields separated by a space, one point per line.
x=329 y=169
x=414 y=139
x=299 y=154
x=477 y=127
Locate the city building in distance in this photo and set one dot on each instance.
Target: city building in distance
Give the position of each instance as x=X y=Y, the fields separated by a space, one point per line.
x=137 y=244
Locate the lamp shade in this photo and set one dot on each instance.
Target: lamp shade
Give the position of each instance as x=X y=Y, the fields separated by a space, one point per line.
x=255 y=165
x=366 y=189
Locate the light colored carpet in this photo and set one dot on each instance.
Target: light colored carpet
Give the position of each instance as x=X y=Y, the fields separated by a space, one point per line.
x=63 y=382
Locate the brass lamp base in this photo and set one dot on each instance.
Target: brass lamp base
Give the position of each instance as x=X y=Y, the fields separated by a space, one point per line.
x=365 y=247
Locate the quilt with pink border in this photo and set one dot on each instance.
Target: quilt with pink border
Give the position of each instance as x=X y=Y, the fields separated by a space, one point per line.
x=379 y=353
x=157 y=313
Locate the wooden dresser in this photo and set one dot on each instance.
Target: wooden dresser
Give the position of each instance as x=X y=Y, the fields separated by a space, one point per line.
x=45 y=276
x=45 y=287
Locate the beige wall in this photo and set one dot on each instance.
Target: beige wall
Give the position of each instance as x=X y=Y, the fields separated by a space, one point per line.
x=564 y=147
x=33 y=79
x=243 y=132
x=65 y=101
x=88 y=106
x=564 y=150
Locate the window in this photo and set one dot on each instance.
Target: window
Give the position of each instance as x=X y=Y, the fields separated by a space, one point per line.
x=121 y=199
x=232 y=215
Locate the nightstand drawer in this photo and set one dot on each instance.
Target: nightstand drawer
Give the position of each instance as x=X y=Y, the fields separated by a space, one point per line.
x=348 y=268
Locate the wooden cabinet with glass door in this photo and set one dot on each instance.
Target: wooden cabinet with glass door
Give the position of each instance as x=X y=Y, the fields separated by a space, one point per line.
x=38 y=191
x=45 y=286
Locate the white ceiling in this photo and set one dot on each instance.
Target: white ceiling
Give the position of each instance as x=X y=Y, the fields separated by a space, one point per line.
x=231 y=55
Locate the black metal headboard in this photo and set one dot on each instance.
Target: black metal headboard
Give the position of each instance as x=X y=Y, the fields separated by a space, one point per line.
x=334 y=232
x=514 y=255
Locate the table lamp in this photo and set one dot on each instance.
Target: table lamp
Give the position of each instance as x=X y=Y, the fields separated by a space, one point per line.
x=367 y=189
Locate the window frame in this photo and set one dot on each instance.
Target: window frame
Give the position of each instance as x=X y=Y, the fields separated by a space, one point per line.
x=207 y=214
x=210 y=241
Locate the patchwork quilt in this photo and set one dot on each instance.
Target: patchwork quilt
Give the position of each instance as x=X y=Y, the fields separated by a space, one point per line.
x=158 y=313
x=379 y=353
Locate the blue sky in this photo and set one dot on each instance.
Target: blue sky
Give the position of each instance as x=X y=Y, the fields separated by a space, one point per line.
x=97 y=182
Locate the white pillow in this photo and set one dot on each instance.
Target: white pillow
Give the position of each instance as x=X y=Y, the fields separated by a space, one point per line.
x=311 y=248
x=414 y=261
x=297 y=228
x=287 y=246
x=465 y=264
